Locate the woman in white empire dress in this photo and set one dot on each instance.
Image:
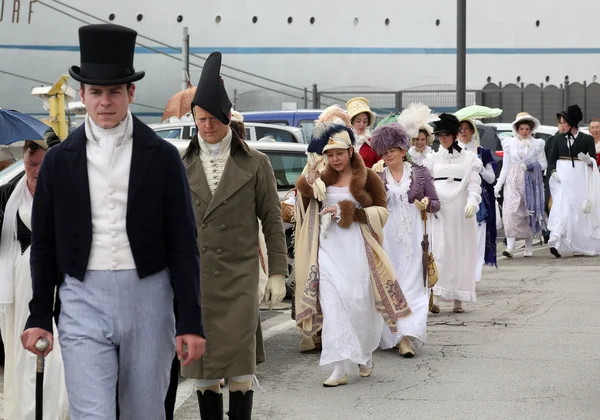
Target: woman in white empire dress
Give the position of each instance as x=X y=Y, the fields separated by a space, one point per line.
x=410 y=193
x=16 y=200
x=454 y=229
x=342 y=288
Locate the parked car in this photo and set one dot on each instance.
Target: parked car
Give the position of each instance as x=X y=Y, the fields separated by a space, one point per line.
x=302 y=118
x=185 y=130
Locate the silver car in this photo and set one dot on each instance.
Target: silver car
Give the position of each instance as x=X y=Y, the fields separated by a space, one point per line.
x=185 y=130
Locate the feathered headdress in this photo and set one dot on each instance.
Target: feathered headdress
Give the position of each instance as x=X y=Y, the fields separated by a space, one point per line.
x=334 y=113
x=323 y=132
x=416 y=116
x=388 y=136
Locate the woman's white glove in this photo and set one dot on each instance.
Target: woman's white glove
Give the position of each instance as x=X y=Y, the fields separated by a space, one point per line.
x=555 y=176
x=378 y=167
x=422 y=204
x=497 y=190
x=319 y=189
x=585 y=158
x=523 y=166
x=587 y=206
x=470 y=211
x=275 y=290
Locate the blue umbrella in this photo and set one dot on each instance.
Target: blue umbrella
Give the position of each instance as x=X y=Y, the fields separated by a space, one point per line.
x=15 y=126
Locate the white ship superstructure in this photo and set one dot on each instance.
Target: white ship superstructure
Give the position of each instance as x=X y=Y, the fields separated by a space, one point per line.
x=390 y=44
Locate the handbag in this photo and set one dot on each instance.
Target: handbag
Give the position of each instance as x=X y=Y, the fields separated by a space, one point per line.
x=287 y=210
x=432 y=271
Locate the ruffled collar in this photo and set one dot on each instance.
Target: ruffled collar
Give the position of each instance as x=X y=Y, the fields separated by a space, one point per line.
x=443 y=152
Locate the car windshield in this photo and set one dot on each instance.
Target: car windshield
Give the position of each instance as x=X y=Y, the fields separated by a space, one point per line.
x=281 y=136
x=287 y=166
x=171 y=133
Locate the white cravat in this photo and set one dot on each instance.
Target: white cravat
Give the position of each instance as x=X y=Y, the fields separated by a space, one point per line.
x=109 y=154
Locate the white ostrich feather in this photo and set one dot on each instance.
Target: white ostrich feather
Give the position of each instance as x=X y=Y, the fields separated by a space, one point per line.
x=416 y=116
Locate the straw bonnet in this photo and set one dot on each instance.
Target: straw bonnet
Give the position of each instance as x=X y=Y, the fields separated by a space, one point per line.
x=524 y=116
x=356 y=106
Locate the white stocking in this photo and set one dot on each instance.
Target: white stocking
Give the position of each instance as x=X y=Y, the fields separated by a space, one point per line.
x=510 y=244
x=529 y=244
x=339 y=370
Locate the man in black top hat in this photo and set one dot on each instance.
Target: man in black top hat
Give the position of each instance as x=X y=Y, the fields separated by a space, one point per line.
x=232 y=186
x=573 y=190
x=114 y=235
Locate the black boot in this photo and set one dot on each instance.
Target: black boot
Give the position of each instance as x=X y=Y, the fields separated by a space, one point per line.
x=211 y=405
x=240 y=405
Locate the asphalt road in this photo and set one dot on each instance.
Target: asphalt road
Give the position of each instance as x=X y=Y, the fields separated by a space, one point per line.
x=528 y=349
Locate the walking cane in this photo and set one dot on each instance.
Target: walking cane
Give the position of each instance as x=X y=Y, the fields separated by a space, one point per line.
x=41 y=346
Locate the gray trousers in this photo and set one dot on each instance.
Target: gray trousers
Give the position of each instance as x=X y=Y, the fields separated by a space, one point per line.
x=115 y=327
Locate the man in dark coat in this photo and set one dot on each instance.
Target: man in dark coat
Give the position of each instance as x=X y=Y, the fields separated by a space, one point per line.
x=113 y=215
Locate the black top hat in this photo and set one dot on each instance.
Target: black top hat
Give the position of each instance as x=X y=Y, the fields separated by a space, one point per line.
x=572 y=115
x=210 y=94
x=447 y=124
x=106 y=55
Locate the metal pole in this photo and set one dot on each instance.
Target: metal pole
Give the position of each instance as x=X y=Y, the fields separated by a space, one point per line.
x=461 y=53
x=305 y=98
x=566 y=93
x=315 y=97
x=185 y=62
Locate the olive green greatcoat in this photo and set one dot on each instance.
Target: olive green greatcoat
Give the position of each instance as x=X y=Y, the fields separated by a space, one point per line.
x=229 y=262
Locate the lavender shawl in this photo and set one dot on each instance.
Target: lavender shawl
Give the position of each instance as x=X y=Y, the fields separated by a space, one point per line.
x=534 y=197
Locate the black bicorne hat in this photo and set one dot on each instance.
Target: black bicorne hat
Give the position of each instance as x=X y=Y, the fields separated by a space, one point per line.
x=572 y=115
x=447 y=124
x=210 y=94
x=106 y=52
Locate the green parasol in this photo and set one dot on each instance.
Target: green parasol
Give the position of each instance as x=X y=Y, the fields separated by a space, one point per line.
x=477 y=112
x=392 y=118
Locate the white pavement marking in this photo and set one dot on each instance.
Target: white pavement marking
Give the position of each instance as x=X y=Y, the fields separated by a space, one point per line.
x=271 y=327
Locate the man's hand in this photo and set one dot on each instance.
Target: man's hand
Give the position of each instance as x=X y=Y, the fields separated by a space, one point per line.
x=275 y=290
x=194 y=349
x=585 y=158
x=31 y=335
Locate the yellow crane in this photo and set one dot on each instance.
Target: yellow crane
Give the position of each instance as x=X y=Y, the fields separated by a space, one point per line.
x=56 y=99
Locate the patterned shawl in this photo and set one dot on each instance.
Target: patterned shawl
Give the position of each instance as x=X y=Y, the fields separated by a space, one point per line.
x=534 y=198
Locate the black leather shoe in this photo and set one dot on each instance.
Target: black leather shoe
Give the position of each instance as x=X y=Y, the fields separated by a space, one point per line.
x=240 y=405
x=211 y=405
x=555 y=252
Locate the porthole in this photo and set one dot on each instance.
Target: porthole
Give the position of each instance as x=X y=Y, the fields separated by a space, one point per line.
x=140 y=17
x=437 y=22
x=254 y=19
x=387 y=22
x=594 y=78
x=290 y=20
x=111 y=17
x=547 y=79
x=179 y=18
x=537 y=23
x=218 y=19
x=518 y=79
x=489 y=79
x=312 y=20
x=355 y=21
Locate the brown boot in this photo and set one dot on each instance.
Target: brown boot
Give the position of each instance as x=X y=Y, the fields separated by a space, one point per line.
x=406 y=349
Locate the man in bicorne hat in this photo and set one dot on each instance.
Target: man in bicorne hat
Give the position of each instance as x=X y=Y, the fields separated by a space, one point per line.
x=233 y=186
x=574 y=221
x=113 y=215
